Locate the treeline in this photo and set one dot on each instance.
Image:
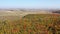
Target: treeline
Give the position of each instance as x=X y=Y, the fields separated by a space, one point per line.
x=57 y=11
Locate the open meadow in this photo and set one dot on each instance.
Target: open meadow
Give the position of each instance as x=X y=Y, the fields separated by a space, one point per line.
x=29 y=24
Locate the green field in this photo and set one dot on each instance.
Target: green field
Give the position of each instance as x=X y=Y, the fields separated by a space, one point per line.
x=31 y=24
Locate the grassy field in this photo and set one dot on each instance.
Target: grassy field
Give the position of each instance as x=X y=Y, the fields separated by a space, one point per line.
x=31 y=24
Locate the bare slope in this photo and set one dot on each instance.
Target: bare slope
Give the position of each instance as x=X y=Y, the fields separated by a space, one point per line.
x=22 y=13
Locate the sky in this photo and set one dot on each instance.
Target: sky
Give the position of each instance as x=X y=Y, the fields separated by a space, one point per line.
x=29 y=3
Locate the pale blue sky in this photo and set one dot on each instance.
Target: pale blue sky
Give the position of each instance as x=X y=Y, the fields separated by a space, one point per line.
x=29 y=3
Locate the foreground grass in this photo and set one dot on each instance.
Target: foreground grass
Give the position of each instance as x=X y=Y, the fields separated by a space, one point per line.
x=32 y=24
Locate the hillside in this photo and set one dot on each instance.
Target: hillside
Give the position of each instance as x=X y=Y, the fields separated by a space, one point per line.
x=30 y=24
x=21 y=13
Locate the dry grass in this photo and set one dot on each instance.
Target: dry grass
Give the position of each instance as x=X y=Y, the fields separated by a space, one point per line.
x=29 y=24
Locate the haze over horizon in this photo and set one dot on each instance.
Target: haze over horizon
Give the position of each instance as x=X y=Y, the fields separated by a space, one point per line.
x=54 y=4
